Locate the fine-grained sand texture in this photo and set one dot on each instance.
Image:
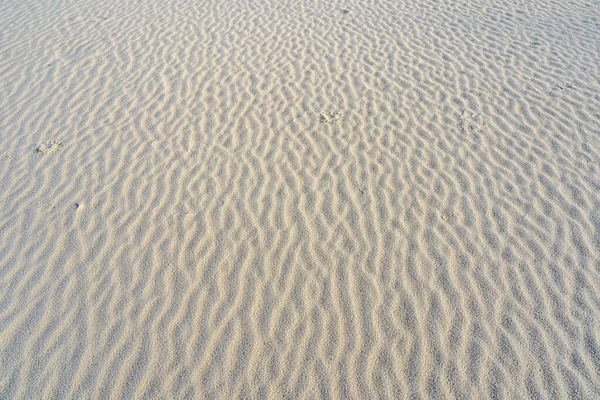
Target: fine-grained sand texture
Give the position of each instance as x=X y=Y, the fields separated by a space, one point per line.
x=327 y=199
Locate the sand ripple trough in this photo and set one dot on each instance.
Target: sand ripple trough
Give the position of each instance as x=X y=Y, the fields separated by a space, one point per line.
x=361 y=199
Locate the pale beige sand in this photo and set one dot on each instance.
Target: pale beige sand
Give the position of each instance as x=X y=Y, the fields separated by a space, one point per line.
x=325 y=199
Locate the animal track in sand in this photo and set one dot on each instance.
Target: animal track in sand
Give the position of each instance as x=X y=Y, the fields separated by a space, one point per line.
x=448 y=216
x=48 y=147
x=474 y=122
x=561 y=88
x=330 y=117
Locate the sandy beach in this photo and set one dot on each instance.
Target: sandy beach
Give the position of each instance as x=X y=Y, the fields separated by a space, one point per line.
x=273 y=199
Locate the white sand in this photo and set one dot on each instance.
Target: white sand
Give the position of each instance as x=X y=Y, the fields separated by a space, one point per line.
x=326 y=199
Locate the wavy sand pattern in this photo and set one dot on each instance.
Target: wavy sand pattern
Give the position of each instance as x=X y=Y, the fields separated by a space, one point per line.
x=362 y=199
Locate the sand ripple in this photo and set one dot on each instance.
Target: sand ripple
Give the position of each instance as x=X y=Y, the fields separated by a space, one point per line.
x=207 y=199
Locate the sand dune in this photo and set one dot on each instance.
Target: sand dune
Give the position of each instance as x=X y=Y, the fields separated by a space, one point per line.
x=282 y=199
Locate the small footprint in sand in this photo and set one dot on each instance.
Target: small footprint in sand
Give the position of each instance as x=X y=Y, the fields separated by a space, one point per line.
x=448 y=216
x=329 y=117
x=472 y=122
x=48 y=147
x=561 y=88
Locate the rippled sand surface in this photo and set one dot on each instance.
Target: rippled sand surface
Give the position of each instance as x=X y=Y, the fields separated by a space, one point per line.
x=301 y=199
